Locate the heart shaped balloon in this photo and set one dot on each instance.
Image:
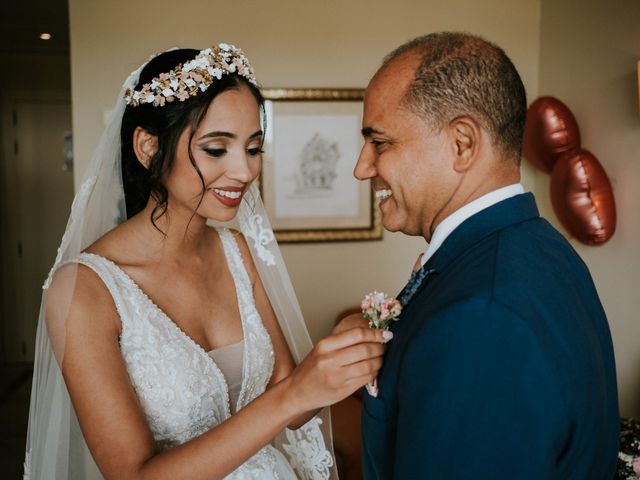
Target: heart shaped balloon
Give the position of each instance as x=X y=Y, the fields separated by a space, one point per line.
x=550 y=130
x=582 y=197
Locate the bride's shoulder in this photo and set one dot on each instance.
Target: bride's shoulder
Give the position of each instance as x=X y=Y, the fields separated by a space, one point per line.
x=76 y=284
x=78 y=302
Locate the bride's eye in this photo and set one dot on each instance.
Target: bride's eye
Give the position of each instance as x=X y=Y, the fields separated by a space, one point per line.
x=215 y=152
x=254 y=151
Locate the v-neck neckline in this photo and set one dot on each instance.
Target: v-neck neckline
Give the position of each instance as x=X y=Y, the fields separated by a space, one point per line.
x=169 y=321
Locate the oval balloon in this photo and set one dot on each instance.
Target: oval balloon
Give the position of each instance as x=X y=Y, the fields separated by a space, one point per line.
x=582 y=197
x=550 y=130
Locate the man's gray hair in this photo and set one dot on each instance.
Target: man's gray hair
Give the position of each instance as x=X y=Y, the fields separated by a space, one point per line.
x=464 y=75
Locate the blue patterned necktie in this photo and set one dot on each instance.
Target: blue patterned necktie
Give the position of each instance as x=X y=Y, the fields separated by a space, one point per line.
x=417 y=277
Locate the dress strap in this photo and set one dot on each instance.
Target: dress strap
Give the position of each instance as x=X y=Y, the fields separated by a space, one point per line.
x=235 y=261
x=109 y=273
x=258 y=349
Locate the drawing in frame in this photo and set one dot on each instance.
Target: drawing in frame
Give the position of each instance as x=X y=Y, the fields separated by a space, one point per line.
x=311 y=145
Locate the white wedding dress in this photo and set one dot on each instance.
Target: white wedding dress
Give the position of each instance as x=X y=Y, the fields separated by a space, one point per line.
x=181 y=388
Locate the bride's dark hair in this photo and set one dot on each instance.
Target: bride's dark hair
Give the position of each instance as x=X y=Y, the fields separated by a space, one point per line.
x=167 y=123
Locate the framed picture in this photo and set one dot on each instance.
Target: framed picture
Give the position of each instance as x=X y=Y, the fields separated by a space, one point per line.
x=311 y=146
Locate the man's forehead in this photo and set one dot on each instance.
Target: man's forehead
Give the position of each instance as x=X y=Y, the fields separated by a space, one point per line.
x=401 y=69
x=391 y=81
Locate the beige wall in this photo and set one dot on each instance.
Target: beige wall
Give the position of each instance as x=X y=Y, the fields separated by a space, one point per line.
x=588 y=60
x=292 y=43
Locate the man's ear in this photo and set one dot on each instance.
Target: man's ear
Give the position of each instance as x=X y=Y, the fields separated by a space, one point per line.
x=467 y=136
x=145 y=146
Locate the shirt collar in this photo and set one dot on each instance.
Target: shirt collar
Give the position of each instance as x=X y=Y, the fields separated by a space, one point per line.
x=449 y=224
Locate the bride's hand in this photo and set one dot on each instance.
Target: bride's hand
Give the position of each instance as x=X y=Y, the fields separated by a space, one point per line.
x=336 y=367
x=351 y=321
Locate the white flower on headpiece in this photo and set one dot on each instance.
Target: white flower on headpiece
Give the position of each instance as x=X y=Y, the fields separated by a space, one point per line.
x=180 y=83
x=217 y=72
x=201 y=62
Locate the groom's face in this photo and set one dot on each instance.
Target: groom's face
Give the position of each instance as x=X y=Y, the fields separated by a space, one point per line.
x=408 y=161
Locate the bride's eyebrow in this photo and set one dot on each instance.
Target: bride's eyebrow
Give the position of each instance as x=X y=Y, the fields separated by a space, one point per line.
x=220 y=133
x=257 y=134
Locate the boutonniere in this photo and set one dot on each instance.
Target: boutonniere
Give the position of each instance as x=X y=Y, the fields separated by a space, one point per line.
x=380 y=310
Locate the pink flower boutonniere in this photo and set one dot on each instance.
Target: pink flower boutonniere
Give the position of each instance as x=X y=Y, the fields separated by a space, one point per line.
x=380 y=310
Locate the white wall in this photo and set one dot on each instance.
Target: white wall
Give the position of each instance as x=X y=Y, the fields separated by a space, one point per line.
x=588 y=56
x=292 y=43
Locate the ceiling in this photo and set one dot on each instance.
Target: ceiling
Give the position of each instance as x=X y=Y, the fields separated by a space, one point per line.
x=22 y=22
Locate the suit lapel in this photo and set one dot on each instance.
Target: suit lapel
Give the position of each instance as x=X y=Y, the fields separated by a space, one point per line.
x=503 y=214
x=416 y=283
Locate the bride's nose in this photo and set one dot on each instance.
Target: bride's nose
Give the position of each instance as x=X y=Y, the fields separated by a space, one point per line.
x=240 y=170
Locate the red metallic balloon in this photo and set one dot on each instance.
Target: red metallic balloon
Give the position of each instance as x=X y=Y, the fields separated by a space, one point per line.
x=582 y=197
x=550 y=130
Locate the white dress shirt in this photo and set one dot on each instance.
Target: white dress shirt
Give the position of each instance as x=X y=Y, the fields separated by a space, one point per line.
x=449 y=224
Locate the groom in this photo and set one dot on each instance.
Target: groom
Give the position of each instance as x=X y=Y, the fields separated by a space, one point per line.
x=502 y=364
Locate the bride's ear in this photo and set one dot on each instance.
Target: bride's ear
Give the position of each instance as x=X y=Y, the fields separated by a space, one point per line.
x=145 y=146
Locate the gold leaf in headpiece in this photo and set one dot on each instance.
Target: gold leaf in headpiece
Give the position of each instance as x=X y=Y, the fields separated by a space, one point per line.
x=188 y=79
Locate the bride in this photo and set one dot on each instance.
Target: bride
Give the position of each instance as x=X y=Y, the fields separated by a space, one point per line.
x=167 y=347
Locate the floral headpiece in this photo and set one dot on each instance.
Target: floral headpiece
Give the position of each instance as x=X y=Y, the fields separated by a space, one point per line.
x=192 y=77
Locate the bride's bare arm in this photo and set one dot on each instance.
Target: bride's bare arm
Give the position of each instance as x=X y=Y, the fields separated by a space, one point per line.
x=284 y=363
x=115 y=426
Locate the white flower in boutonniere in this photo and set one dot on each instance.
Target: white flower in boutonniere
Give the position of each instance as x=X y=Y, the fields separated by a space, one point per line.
x=380 y=310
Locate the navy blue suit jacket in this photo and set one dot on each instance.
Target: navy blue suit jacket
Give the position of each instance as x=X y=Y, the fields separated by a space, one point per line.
x=502 y=364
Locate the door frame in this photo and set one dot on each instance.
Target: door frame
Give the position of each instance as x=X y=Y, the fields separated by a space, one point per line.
x=9 y=310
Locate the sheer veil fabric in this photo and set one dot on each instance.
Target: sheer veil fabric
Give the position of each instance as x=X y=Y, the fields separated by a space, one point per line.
x=55 y=446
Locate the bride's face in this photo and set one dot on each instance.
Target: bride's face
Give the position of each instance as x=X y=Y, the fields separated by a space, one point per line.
x=227 y=148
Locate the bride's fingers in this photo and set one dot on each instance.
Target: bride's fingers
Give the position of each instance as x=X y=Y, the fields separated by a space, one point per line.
x=351 y=337
x=358 y=382
x=355 y=354
x=354 y=377
x=352 y=321
x=365 y=370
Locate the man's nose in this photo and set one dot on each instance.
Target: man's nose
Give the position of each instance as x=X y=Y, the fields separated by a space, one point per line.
x=365 y=166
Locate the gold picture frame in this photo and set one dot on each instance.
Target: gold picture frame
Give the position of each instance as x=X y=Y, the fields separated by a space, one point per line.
x=311 y=145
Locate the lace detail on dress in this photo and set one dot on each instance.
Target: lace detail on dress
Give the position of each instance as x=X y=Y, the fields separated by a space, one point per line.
x=258 y=354
x=181 y=389
x=261 y=236
x=307 y=451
